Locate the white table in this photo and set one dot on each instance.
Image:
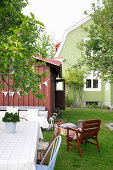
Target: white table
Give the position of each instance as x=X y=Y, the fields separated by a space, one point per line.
x=18 y=151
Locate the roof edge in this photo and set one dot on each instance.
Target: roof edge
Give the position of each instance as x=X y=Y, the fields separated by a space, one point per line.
x=48 y=60
x=84 y=20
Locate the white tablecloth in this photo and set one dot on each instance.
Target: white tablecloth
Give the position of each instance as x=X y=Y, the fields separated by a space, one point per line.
x=41 y=117
x=18 y=151
x=41 y=120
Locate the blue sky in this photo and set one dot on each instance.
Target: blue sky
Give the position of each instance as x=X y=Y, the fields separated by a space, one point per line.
x=58 y=15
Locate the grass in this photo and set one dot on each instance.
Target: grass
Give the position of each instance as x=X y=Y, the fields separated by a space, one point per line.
x=91 y=158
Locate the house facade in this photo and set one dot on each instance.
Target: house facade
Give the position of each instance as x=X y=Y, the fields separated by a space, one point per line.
x=95 y=90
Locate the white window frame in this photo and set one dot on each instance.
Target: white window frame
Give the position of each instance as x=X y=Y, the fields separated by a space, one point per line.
x=91 y=76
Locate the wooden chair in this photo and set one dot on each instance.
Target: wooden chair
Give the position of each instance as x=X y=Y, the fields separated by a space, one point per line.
x=51 y=155
x=41 y=150
x=89 y=130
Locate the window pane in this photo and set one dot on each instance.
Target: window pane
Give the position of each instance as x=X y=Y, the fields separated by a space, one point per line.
x=60 y=85
x=88 y=83
x=95 y=83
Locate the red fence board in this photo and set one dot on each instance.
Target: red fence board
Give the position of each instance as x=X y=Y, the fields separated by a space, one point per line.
x=30 y=99
x=15 y=99
x=25 y=100
x=6 y=97
x=1 y=99
x=20 y=99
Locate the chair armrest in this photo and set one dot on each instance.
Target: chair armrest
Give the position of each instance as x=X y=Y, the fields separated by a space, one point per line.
x=75 y=130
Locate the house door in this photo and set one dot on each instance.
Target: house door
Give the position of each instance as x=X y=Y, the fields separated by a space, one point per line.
x=60 y=94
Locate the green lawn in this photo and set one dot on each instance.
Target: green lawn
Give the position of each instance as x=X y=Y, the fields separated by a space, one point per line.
x=91 y=158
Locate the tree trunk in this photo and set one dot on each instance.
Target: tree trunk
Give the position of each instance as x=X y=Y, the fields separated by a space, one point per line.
x=74 y=96
x=80 y=97
x=68 y=91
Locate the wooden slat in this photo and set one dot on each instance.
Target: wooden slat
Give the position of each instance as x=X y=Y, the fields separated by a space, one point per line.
x=1 y=99
x=15 y=99
x=10 y=98
x=26 y=100
x=1 y=95
x=91 y=125
x=6 y=89
x=20 y=100
x=90 y=130
x=92 y=121
x=35 y=100
x=88 y=135
x=30 y=99
x=43 y=89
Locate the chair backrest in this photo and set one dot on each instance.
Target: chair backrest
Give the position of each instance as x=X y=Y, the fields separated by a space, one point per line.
x=90 y=128
x=52 y=153
x=57 y=131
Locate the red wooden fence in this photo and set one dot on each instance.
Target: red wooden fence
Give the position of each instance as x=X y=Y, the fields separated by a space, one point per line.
x=28 y=100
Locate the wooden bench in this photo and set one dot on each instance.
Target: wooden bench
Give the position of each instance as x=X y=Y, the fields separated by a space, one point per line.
x=89 y=130
x=23 y=108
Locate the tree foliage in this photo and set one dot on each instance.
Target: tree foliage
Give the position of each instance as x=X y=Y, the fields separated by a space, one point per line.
x=10 y=15
x=75 y=76
x=99 y=48
x=22 y=38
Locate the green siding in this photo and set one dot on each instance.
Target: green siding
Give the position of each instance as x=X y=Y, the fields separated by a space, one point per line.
x=94 y=95
x=70 y=50
x=107 y=95
x=72 y=53
x=111 y=94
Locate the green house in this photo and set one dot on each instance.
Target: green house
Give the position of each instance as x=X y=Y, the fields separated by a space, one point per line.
x=95 y=90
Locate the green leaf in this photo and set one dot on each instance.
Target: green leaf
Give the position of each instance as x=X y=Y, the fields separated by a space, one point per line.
x=40 y=23
x=32 y=15
x=13 y=48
